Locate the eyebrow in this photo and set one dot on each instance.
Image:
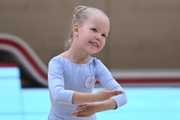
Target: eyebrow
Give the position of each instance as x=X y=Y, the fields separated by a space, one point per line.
x=106 y=33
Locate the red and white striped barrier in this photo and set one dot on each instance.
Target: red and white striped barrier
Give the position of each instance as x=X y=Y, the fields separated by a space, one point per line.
x=25 y=55
x=38 y=70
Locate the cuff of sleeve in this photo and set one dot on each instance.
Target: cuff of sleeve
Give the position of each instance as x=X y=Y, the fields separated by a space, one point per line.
x=120 y=100
x=65 y=97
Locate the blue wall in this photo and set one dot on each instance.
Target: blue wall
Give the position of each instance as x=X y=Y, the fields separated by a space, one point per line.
x=144 y=103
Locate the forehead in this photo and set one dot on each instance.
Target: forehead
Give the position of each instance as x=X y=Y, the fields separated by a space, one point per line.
x=99 y=19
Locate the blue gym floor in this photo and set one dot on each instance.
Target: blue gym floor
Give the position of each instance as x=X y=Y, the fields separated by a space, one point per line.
x=144 y=103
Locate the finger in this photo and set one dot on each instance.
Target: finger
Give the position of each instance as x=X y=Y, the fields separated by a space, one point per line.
x=81 y=114
x=77 y=112
x=81 y=105
x=79 y=108
x=120 y=92
x=117 y=92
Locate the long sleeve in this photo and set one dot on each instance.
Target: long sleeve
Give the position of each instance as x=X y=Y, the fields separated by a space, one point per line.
x=56 y=82
x=107 y=81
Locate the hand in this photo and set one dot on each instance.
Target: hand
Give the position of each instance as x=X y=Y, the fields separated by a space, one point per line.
x=85 y=110
x=106 y=94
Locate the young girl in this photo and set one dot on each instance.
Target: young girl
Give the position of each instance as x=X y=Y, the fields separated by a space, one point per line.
x=73 y=73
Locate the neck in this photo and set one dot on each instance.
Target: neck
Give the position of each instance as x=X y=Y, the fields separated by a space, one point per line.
x=76 y=56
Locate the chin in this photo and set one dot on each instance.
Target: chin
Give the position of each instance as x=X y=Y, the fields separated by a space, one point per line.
x=93 y=51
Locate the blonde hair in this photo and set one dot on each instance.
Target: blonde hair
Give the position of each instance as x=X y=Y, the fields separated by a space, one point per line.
x=80 y=15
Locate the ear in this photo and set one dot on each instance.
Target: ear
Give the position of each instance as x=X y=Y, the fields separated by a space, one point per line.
x=76 y=30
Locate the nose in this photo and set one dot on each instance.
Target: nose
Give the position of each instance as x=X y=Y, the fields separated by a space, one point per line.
x=97 y=38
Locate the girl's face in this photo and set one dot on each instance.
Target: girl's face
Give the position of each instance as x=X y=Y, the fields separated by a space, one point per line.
x=92 y=35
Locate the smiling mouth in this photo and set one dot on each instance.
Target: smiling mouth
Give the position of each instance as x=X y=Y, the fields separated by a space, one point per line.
x=94 y=44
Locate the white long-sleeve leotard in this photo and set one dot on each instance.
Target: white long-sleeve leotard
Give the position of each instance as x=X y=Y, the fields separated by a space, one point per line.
x=66 y=77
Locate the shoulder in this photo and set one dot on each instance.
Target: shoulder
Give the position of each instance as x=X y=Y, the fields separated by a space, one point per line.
x=97 y=62
x=56 y=60
x=102 y=72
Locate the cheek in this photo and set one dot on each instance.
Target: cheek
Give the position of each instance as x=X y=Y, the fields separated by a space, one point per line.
x=84 y=42
x=103 y=42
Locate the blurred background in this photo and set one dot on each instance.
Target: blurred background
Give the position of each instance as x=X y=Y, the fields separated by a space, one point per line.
x=142 y=52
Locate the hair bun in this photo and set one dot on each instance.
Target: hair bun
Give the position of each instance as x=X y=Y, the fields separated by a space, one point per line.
x=79 y=8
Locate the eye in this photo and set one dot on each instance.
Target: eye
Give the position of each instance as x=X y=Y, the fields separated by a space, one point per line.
x=104 y=35
x=94 y=29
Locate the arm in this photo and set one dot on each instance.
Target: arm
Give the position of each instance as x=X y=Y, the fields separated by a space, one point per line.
x=106 y=105
x=107 y=81
x=101 y=95
x=56 y=82
x=56 y=87
x=88 y=109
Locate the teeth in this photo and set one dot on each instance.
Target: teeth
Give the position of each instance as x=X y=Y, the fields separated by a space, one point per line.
x=95 y=44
